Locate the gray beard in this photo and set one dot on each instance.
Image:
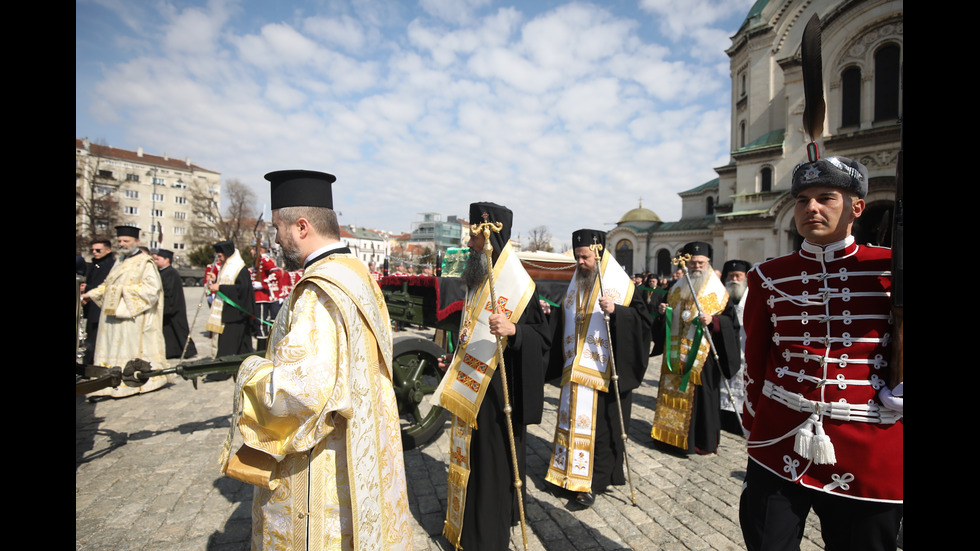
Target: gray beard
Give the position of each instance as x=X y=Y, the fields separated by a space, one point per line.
x=126 y=251
x=586 y=279
x=697 y=280
x=736 y=289
x=476 y=270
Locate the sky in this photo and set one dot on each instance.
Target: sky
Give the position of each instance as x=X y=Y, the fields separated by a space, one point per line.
x=568 y=113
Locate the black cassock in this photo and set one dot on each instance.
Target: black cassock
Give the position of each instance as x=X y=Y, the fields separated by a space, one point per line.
x=175 y=328
x=98 y=271
x=491 y=500
x=630 y=327
x=237 y=335
x=706 y=415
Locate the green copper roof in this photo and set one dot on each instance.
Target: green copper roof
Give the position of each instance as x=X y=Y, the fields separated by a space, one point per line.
x=754 y=12
x=707 y=185
x=770 y=139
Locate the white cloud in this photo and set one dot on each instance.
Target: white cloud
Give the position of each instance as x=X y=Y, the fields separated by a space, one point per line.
x=344 y=31
x=453 y=11
x=567 y=116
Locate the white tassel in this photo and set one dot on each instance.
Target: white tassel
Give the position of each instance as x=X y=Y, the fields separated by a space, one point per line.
x=804 y=437
x=823 y=448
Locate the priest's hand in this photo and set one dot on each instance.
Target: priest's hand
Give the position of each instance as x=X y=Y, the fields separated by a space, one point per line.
x=607 y=305
x=662 y=308
x=545 y=307
x=706 y=320
x=501 y=326
x=444 y=361
x=214 y=287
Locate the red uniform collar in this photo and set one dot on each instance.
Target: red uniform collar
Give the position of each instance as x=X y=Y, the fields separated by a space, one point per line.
x=829 y=252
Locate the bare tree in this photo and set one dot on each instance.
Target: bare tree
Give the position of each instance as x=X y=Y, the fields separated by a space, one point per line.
x=236 y=224
x=540 y=240
x=96 y=206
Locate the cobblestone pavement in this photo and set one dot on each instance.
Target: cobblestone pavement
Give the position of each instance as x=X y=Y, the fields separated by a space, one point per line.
x=146 y=477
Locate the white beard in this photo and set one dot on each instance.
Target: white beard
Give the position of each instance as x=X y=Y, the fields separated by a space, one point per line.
x=697 y=280
x=736 y=289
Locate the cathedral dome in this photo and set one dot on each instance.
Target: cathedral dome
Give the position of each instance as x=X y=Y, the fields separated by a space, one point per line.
x=639 y=214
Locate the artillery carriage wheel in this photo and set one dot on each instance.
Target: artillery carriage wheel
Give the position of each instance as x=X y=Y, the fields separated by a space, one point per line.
x=416 y=375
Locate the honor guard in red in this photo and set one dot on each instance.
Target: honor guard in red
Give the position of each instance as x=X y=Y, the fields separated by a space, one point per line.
x=818 y=329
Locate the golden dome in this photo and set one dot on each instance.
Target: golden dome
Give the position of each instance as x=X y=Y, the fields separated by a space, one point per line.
x=639 y=214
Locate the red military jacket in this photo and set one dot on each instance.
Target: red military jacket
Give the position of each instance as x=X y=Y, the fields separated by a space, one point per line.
x=211 y=270
x=288 y=281
x=818 y=337
x=268 y=275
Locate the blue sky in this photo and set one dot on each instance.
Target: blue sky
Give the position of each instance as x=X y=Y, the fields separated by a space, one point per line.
x=566 y=112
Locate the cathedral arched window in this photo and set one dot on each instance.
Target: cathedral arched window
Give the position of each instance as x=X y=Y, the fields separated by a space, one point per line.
x=887 y=74
x=765 y=179
x=851 y=97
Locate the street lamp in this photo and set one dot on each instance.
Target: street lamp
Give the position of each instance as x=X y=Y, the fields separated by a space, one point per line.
x=153 y=206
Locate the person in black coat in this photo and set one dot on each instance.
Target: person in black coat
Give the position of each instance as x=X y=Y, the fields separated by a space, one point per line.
x=102 y=262
x=235 y=323
x=175 y=328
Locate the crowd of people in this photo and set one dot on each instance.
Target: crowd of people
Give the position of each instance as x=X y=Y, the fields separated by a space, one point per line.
x=792 y=353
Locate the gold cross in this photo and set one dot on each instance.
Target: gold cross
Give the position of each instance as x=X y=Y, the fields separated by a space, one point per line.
x=596 y=247
x=681 y=260
x=486 y=227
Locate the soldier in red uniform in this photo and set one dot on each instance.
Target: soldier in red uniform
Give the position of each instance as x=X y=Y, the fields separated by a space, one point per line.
x=265 y=282
x=287 y=282
x=210 y=276
x=818 y=337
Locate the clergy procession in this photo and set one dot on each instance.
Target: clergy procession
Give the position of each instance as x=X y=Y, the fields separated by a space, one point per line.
x=795 y=348
x=715 y=413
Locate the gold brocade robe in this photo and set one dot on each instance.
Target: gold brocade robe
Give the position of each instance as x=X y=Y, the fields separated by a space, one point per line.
x=672 y=418
x=131 y=322
x=322 y=404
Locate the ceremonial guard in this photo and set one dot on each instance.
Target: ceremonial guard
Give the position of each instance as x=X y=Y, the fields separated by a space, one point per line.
x=818 y=334
x=701 y=349
x=265 y=276
x=210 y=276
x=318 y=414
x=825 y=431
x=588 y=450
x=231 y=311
x=131 y=321
x=289 y=280
x=175 y=328
x=499 y=362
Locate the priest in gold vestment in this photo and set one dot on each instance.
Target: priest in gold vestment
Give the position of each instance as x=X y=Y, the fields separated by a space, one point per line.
x=131 y=322
x=320 y=407
x=688 y=414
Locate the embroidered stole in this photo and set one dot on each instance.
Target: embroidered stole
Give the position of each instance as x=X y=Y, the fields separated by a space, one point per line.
x=672 y=418
x=465 y=384
x=226 y=276
x=125 y=273
x=586 y=349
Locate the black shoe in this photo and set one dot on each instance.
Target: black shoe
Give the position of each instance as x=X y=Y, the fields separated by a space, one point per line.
x=585 y=499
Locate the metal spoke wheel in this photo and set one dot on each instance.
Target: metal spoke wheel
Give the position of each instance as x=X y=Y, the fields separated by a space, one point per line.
x=416 y=376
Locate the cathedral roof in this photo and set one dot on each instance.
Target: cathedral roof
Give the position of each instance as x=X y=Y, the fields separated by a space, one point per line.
x=639 y=214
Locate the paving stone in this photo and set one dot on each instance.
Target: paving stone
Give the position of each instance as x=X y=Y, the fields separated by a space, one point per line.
x=146 y=477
